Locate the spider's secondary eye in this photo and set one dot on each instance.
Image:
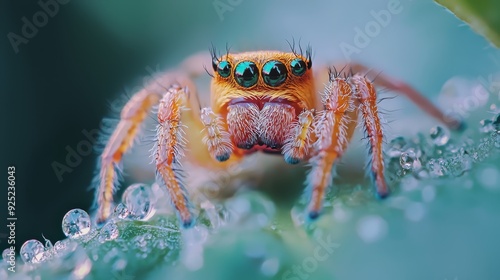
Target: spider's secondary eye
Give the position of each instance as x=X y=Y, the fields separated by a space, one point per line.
x=274 y=73
x=298 y=67
x=246 y=74
x=224 y=69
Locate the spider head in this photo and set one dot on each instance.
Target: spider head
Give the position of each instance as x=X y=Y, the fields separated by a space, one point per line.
x=262 y=76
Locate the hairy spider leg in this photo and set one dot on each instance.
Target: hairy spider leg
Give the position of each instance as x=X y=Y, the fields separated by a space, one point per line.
x=333 y=127
x=122 y=138
x=403 y=88
x=170 y=147
x=180 y=121
x=299 y=137
x=367 y=96
x=175 y=117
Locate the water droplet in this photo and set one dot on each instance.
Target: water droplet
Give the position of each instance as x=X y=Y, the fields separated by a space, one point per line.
x=32 y=251
x=121 y=211
x=63 y=247
x=8 y=255
x=496 y=139
x=459 y=165
x=270 y=267
x=372 y=228
x=76 y=223
x=435 y=169
x=439 y=136
x=396 y=146
x=139 y=200
x=108 y=232
x=407 y=159
x=486 y=126
x=59 y=246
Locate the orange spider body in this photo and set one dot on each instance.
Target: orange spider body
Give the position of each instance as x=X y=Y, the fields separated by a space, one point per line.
x=260 y=101
x=248 y=109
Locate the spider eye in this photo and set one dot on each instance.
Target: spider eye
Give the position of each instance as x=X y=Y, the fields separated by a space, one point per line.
x=246 y=74
x=274 y=73
x=224 y=68
x=298 y=67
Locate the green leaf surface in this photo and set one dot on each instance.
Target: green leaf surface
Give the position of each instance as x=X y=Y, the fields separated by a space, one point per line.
x=482 y=15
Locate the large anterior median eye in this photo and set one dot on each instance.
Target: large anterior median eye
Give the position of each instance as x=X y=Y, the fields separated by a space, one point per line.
x=298 y=67
x=274 y=73
x=224 y=68
x=246 y=74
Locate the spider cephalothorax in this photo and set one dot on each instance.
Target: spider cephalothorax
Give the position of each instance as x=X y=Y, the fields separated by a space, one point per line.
x=260 y=94
x=267 y=101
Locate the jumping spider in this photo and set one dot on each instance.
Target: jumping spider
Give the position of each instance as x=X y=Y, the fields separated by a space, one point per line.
x=265 y=101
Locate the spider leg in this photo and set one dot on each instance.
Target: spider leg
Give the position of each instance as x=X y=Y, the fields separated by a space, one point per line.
x=367 y=97
x=180 y=121
x=169 y=150
x=131 y=117
x=298 y=139
x=396 y=85
x=216 y=136
x=332 y=130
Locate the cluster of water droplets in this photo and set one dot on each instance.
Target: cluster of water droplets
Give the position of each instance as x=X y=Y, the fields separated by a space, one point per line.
x=83 y=248
x=436 y=155
x=142 y=230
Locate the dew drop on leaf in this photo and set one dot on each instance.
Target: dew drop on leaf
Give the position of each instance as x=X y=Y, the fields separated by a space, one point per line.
x=108 y=232
x=121 y=211
x=486 y=126
x=407 y=159
x=139 y=200
x=76 y=223
x=439 y=136
x=32 y=251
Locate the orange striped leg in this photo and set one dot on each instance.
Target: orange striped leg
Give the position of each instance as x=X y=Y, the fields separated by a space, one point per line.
x=367 y=96
x=131 y=117
x=169 y=150
x=405 y=89
x=331 y=129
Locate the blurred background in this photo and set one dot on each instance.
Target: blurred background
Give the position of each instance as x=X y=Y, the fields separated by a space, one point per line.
x=64 y=79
